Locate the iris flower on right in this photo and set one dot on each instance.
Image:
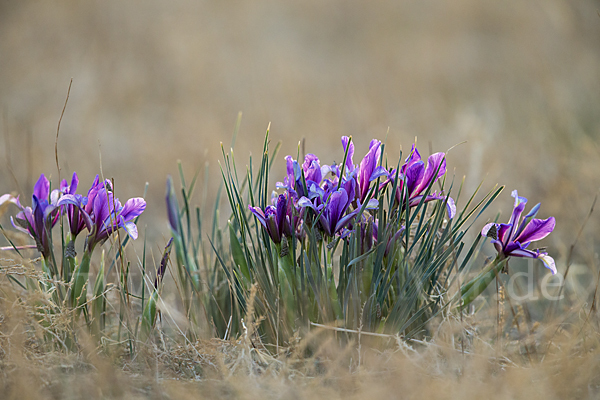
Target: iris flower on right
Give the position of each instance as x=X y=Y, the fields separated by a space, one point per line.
x=513 y=238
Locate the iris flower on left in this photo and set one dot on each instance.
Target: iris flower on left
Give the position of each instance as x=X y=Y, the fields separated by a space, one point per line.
x=38 y=220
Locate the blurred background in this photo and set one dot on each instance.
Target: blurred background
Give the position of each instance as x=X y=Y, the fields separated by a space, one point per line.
x=157 y=81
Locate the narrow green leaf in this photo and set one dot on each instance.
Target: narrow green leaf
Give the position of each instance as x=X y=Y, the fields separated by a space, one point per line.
x=238 y=254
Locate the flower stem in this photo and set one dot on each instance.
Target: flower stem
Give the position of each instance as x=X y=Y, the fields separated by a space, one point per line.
x=79 y=281
x=472 y=289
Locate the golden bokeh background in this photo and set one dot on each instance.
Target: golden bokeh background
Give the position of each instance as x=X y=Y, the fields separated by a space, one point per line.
x=157 y=81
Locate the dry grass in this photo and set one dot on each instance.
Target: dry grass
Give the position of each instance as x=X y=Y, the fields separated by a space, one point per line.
x=564 y=363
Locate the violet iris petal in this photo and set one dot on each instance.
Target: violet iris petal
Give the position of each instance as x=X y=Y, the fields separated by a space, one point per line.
x=334 y=210
x=436 y=168
x=414 y=175
x=41 y=190
x=312 y=168
x=9 y=198
x=537 y=229
x=367 y=171
x=65 y=188
x=272 y=227
x=132 y=209
x=293 y=219
x=349 y=163
x=281 y=213
x=109 y=215
x=259 y=214
x=368 y=168
x=412 y=158
x=513 y=239
x=72 y=203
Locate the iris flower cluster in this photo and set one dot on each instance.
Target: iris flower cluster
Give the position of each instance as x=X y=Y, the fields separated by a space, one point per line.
x=336 y=193
x=99 y=212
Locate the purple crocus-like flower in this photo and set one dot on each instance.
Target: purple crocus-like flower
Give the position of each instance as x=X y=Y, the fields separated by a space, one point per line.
x=331 y=212
x=71 y=209
x=273 y=218
x=103 y=214
x=414 y=179
x=313 y=175
x=368 y=170
x=312 y=169
x=332 y=207
x=512 y=239
x=108 y=215
x=77 y=207
x=37 y=220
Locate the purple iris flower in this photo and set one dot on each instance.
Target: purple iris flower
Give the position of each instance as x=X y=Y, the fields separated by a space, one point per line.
x=71 y=209
x=312 y=169
x=37 y=220
x=103 y=213
x=333 y=205
x=273 y=218
x=414 y=178
x=512 y=239
x=77 y=207
x=368 y=170
x=109 y=215
x=313 y=175
x=331 y=213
